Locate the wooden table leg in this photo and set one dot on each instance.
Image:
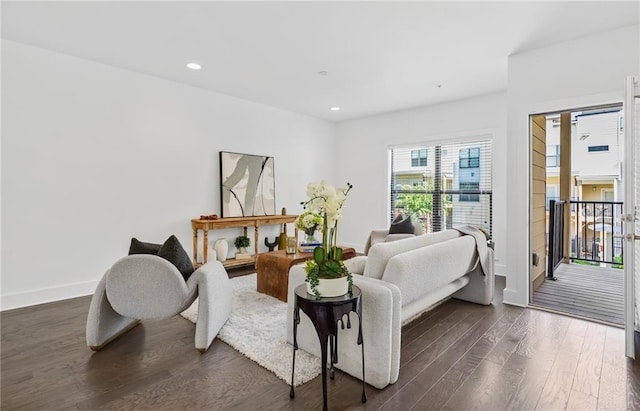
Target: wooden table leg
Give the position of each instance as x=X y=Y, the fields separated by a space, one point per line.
x=195 y=246
x=205 y=247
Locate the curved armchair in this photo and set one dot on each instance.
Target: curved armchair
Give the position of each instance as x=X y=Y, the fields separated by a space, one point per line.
x=143 y=287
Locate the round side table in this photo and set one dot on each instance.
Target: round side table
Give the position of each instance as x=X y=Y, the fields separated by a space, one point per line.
x=326 y=314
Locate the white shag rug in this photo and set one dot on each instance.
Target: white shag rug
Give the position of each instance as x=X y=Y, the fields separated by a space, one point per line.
x=257 y=328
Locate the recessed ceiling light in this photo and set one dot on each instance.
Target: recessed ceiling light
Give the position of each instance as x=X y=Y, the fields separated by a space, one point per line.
x=323 y=72
x=335 y=108
x=194 y=66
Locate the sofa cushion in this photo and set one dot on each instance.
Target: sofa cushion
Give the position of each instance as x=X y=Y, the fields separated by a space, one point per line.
x=380 y=253
x=139 y=247
x=173 y=252
x=403 y=226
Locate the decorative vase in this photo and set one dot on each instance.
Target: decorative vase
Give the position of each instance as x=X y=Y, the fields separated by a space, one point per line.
x=222 y=249
x=212 y=254
x=331 y=287
x=310 y=238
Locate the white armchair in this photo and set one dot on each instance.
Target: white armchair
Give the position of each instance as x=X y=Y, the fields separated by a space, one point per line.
x=142 y=287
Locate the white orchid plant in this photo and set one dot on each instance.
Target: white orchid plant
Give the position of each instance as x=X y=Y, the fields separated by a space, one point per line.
x=327 y=202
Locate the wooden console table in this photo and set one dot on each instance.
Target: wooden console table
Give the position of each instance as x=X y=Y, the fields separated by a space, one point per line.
x=236 y=222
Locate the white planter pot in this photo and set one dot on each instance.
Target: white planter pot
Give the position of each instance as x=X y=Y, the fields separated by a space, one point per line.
x=331 y=287
x=222 y=249
x=212 y=254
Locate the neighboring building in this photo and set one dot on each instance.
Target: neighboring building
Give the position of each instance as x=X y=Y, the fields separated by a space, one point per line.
x=596 y=157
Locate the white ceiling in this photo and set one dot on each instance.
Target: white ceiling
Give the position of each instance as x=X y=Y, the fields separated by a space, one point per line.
x=380 y=56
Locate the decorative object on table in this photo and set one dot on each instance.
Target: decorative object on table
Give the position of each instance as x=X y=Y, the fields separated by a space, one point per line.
x=292 y=245
x=247 y=185
x=271 y=245
x=209 y=217
x=309 y=222
x=212 y=254
x=242 y=242
x=273 y=270
x=282 y=239
x=222 y=249
x=308 y=247
x=327 y=263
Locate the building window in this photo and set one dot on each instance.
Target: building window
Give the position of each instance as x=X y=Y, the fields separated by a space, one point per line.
x=553 y=156
x=469 y=187
x=470 y=158
x=593 y=149
x=419 y=158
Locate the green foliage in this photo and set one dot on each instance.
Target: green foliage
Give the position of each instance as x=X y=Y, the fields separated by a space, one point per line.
x=242 y=241
x=318 y=255
x=417 y=203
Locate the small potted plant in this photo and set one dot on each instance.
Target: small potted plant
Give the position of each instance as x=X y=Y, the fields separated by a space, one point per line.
x=242 y=242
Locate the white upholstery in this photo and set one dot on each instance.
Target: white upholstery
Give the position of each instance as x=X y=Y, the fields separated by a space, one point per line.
x=141 y=287
x=415 y=273
x=382 y=235
x=380 y=253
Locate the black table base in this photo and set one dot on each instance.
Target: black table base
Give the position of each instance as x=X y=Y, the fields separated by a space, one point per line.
x=326 y=314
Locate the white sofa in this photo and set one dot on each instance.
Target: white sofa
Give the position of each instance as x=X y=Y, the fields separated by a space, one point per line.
x=400 y=280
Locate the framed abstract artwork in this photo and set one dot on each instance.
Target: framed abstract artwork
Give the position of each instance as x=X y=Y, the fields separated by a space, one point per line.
x=247 y=185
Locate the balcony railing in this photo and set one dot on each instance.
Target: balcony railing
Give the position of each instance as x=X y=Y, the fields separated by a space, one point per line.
x=596 y=231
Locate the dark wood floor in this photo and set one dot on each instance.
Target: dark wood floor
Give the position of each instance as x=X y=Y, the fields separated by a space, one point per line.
x=460 y=356
x=586 y=291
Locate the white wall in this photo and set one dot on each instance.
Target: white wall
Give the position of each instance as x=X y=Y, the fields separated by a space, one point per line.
x=584 y=72
x=363 y=151
x=93 y=155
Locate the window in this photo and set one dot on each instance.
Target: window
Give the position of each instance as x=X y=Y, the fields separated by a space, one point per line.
x=553 y=156
x=469 y=187
x=419 y=158
x=598 y=148
x=454 y=185
x=470 y=158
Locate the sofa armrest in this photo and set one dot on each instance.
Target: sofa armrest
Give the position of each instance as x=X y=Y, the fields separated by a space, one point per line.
x=376 y=236
x=214 y=301
x=356 y=264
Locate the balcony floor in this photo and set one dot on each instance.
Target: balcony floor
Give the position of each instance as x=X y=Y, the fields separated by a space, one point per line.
x=591 y=292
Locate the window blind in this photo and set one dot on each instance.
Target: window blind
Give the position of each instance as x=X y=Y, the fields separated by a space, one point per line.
x=452 y=187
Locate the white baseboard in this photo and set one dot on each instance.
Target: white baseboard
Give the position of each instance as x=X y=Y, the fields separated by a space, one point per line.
x=46 y=295
x=500 y=269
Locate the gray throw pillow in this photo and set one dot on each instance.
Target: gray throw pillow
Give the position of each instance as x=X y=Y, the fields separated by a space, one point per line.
x=403 y=226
